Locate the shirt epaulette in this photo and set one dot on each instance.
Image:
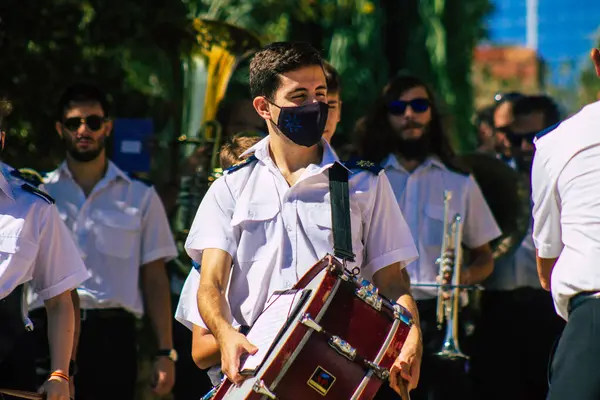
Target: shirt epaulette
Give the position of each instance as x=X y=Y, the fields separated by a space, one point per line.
x=364 y=165
x=32 y=189
x=28 y=175
x=546 y=131
x=237 y=166
x=196 y=265
x=137 y=177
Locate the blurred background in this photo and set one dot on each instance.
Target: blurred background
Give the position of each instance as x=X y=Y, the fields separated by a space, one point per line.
x=169 y=66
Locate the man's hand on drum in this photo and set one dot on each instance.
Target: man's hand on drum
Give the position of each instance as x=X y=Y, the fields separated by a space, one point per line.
x=233 y=346
x=407 y=366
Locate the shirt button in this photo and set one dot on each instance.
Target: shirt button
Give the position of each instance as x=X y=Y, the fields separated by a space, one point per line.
x=288 y=227
x=287 y=284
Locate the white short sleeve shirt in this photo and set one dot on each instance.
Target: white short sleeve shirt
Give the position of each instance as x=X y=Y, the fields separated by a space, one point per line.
x=35 y=246
x=275 y=232
x=566 y=187
x=119 y=227
x=420 y=195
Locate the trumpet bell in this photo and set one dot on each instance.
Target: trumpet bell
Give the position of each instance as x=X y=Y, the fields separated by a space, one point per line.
x=450 y=351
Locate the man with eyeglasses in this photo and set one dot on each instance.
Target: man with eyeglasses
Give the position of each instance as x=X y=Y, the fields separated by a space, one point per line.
x=404 y=134
x=514 y=289
x=123 y=236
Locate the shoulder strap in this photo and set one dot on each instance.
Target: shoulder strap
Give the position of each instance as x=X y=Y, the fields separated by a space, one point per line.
x=340 y=212
x=241 y=164
x=364 y=165
x=28 y=175
x=28 y=188
x=137 y=177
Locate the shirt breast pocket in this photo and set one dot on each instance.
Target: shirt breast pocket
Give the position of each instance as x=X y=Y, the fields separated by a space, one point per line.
x=117 y=233
x=434 y=224
x=257 y=223
x=17 y=253
x=320 y=222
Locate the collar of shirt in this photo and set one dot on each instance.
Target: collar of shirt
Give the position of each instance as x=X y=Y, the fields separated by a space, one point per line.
x=4 y=184
x=261 y=152
x=112 y=172
x=391 y=162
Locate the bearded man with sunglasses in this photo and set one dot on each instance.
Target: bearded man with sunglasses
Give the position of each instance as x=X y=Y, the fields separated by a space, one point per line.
x=124 y=238
x=403 y=133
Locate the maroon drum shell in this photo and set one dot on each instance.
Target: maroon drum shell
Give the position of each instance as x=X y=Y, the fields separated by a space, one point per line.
x=346 y=316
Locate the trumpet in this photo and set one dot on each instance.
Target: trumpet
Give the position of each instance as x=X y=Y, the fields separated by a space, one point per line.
x=448 y=298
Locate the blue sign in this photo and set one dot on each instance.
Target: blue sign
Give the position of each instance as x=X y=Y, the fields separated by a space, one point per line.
x=131 y=138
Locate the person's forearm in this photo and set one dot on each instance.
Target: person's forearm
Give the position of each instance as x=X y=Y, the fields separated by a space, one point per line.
x=213 y=307
x=205 y=350
x=77 y=320
x=479 y=270
x=60 y=331
x=157 y=296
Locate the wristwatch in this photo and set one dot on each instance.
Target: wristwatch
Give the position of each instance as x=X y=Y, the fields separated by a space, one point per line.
x=171 y=353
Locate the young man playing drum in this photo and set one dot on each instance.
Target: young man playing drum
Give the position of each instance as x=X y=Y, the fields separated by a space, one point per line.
x=270 y=217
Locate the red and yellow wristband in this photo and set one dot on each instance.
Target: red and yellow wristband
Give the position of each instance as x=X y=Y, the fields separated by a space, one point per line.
x=58 y=374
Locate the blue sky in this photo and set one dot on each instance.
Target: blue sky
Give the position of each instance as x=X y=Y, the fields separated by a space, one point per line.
x=565 y=33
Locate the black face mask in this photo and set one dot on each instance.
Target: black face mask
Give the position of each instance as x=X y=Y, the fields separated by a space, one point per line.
x=415 y=149
x=303 y=125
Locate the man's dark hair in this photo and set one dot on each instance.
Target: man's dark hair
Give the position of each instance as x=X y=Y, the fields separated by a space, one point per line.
x=279 y=58
x=81 y=93
x=485 y=115
x=539 y=103
x=334 y=84
x=376 y=138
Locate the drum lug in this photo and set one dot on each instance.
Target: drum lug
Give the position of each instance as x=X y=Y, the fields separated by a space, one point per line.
x=380 y=372
x=369 y=294
x=400 y=313
x=260 y=388
x=308 y=321
x=342 y=347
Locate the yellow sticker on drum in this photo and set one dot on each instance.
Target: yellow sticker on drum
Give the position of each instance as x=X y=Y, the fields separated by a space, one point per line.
x=321 y=381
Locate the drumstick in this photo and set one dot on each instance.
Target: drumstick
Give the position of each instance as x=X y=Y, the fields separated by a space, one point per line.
x=23 y=394
x=404 y=390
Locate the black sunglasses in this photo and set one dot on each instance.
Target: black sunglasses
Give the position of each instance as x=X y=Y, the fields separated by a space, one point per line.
x=398 y=107
x=93 y=122
x=516 y=139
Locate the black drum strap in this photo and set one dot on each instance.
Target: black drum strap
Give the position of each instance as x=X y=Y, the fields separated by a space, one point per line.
x=340 y=212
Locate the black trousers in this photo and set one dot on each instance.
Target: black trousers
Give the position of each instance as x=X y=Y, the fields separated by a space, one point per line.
x=440 y=379
x=575 y=370
x=106 y=355
x=17 y=370
x=514 y=337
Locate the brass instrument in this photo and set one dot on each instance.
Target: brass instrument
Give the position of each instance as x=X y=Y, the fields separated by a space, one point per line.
x=216 y=51
x=507 y=194
x=450 y=265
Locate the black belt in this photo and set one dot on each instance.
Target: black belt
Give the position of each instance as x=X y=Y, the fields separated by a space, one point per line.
x=581 y=298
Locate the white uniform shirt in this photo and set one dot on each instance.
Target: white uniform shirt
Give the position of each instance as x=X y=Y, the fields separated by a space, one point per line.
x=275 y=232
x=35 y=246
x=566 y=195
x=119 y=227
x=420 y=195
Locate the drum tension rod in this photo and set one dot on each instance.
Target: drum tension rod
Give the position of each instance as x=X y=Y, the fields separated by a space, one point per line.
x=260 y=388
x=344 y=348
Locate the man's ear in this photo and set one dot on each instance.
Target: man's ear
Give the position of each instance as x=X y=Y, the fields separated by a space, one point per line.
x=59 y=129
x=109 y=127
x=2 y=139
x=340 y=113
x=261 y=105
